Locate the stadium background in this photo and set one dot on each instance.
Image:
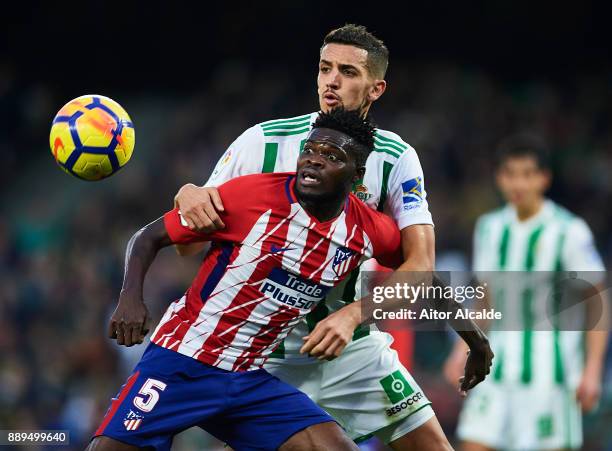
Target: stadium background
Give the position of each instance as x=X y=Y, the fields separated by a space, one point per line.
x=193 y=78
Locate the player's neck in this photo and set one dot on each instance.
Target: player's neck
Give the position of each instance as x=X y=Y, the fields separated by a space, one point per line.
x=528 y=211
x=322 y=208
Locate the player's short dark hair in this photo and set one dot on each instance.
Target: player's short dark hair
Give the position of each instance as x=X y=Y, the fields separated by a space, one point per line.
x=351 y=123
x=524 y=144
x=359 y=36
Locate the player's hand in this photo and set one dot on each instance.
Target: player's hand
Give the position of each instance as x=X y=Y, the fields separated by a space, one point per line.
x=477 y=367
x=130 y=321
x=589 y=389
x=200 y=207
x=331 y=335
x=454 y=367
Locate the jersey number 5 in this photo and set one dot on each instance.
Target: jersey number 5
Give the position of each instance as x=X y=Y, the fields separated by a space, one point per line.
x=149 y=390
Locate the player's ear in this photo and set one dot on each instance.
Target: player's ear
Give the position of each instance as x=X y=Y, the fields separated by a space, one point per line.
x=546 y=179
x=499 y=176
x=376 y=90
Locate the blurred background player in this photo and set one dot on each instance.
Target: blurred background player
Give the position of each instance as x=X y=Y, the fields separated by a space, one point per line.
x=541 y=379
x=357 y=388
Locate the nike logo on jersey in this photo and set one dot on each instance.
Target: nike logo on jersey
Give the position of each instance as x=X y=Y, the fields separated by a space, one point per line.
x=278 y=250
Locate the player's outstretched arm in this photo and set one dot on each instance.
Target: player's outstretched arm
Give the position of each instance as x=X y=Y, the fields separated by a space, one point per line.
x=129 y=322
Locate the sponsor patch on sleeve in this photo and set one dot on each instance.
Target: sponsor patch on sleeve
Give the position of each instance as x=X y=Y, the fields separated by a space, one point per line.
x=412 y=196
x=225 y=159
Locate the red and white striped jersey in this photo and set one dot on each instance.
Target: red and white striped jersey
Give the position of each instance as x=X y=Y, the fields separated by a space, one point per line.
x=269 y=266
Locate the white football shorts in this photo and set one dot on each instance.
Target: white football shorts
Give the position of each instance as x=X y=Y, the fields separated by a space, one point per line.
x=521 y=417
x=367 y=390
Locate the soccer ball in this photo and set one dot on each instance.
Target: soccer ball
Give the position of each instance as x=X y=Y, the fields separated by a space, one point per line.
x=92 y=137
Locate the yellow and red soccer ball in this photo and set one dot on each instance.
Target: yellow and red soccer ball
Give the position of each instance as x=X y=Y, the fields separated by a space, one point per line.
x=92 y=137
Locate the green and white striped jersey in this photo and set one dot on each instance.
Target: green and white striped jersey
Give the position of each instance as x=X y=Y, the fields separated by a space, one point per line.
x=552 y=240
x=393 y=183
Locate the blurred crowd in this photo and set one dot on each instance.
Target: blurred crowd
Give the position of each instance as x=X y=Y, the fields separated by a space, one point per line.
x=62 y=240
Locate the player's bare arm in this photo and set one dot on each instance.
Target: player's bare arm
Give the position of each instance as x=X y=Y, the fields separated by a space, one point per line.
x=454 y=367
x=128 y=324
x=418 y=246
x=589 y=388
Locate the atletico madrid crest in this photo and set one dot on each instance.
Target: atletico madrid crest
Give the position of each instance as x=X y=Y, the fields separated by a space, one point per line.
x=342 y=260
x=132 y=421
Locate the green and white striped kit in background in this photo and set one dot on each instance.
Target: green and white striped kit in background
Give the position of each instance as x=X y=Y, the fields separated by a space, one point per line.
x=528 y=401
